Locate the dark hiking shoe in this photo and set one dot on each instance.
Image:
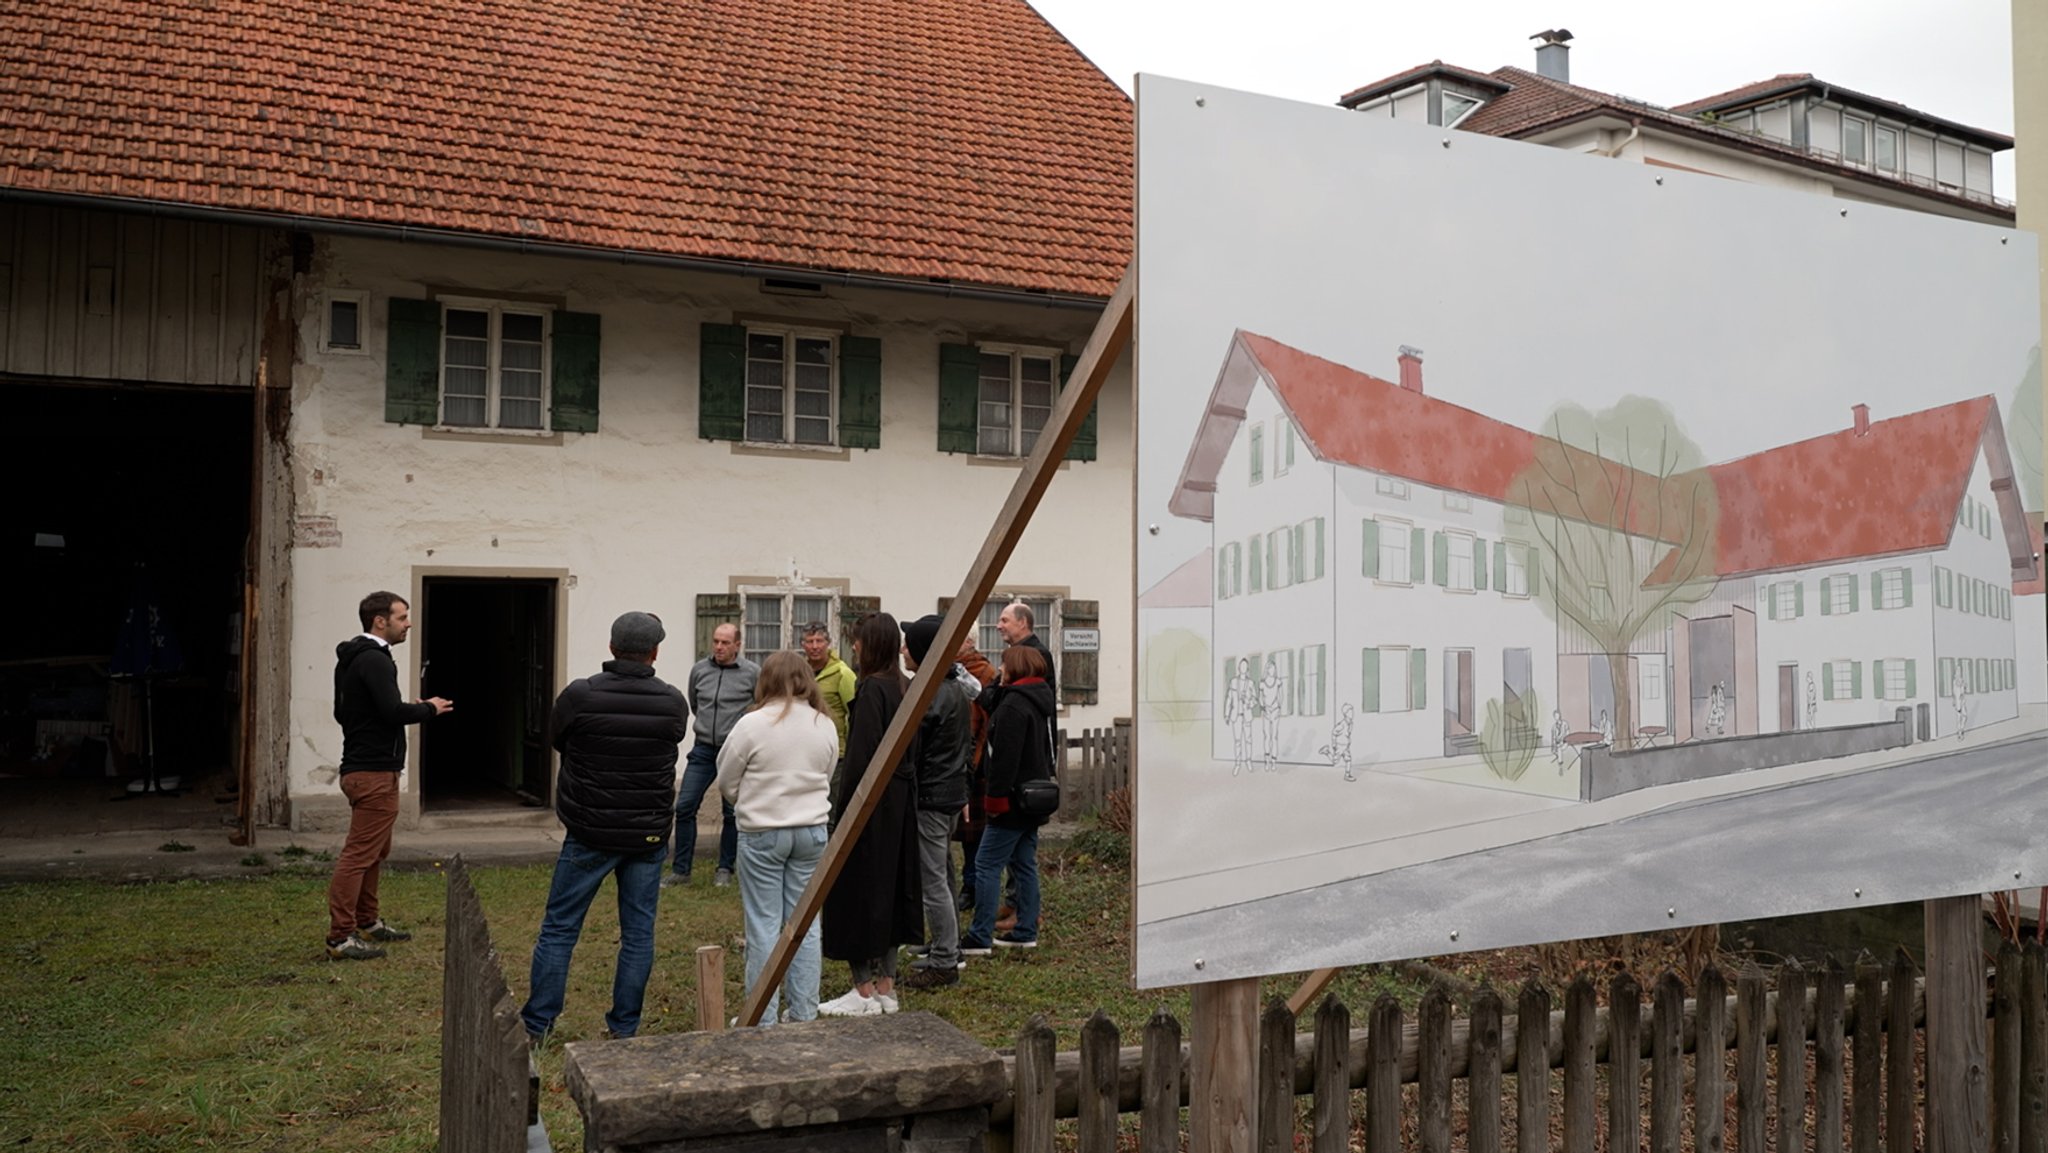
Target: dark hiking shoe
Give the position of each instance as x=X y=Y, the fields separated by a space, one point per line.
x=353 y=948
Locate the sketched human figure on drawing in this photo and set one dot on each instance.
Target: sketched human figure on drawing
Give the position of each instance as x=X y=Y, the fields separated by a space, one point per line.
x=1812 y=701
x=1269 y=703
x=1959 y=692
x=1606 y=728
x=1558 y=729
x=1237 y=713
x=1717 y=711
x=1339 y=748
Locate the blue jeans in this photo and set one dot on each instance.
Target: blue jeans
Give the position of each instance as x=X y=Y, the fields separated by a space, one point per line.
x=775 y=865
x=579 y=870
x=700 y=770
x=1016 y=849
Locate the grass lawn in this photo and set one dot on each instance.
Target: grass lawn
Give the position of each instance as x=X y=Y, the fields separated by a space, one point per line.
x=204 y=1015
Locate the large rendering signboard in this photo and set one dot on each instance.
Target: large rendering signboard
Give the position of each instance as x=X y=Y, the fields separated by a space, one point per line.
x=1533 y=545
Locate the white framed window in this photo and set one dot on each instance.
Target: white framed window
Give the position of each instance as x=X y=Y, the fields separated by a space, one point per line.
x=1307 y=564
x=342 y=323
x=1310 y=701
x=1650 y=675
x=791 y=393
x=1838 y=592
x=1388 y=486
x=1842 y=678
x=1394 y=552
x=1891 y=588
x=772 y=618
x=1044 y=621
x=1283 y=445
x=1784 y=600
x=1016 y=394
x=1255 y=443
x=1893 y=686
x=1515 y=567
x=1515 y=514
x=1854 y=150
x=1396 y=678
x=1457 y=502
x=494 y=365
x=1887 y=148
x=1281 y=664
x=1460 y=558
x=1457 y=107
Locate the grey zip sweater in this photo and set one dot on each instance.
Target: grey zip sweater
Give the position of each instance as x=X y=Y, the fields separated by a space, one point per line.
x=719 y=695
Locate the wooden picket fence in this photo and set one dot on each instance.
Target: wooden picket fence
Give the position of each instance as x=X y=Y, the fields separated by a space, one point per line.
x=490 y=1090
x=1093 y=764
x=1858 y=1075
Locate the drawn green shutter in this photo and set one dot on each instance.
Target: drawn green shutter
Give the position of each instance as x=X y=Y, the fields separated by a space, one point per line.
x=1257 y=549
x=575 y=370
x=713 y=610
x=1372 y=549
x=1827 y=605
x=1855 y=680
x=1944 y=672
x=1535 y=570
x=1855 y=591
x=721 y=383
x=1440 y=550
x=412 y=361
x=1827 y=680
x=1083 y=447
x=1905 y=588
x=1322 y=678
x=1369 y=693
x=860 y=392
x=1418 y=561
x=959 y=392
x=1912 y=678
x=1798 y=599
x=1500 y=565
x=1319 y=549
x=1222 y=573
x=1942 y=596
x=1877 y=680
x=1478 y=564
x=1771 y=602
x=1418 y=677
x=1877 y=590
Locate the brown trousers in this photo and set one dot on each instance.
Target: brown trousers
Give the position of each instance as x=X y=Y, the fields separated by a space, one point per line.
x=352 y=893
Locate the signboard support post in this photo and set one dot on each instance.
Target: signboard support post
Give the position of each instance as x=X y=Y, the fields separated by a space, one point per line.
x=1958 y=1116
x=1223 y=1100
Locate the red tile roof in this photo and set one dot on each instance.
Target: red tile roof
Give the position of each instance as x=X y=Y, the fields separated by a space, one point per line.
x=956 y=139
x=1778 y=83
x=1892 y=490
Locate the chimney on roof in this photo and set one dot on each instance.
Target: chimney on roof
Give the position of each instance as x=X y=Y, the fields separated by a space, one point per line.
x=1411 y=368
x=1553 y=54
x=1862 y=412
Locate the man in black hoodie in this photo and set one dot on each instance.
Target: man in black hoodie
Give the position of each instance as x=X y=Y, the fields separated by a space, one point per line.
x=942 y=786
x=373 y=716
x=617 y=733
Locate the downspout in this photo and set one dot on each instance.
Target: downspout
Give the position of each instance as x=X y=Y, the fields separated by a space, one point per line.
x=1635 y=129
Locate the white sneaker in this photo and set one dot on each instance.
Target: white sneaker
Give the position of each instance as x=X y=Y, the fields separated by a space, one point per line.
x=853 y=1004
x=887 y=1002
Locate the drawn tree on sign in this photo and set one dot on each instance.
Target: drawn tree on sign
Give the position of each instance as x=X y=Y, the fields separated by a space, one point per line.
x=2023 y=433
x=1621 y=514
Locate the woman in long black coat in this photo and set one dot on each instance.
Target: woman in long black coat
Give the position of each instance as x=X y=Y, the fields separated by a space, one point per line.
x=877 y=902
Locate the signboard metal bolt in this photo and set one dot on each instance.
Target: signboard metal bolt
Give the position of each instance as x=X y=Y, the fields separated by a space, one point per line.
x=1859 y=893
x=1153 y=529
x=1201 y=964
x=1201 y=102
x=1454 y=934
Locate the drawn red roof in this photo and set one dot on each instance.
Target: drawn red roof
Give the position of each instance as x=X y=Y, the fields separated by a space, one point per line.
x=959 y=140
x=1894 y=489
x=1191 y=585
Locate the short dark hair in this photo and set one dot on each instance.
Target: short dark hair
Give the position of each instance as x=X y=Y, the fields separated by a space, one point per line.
x=377 y=604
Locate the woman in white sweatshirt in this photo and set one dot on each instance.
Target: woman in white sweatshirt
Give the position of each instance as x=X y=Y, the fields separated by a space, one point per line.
x=776 y=770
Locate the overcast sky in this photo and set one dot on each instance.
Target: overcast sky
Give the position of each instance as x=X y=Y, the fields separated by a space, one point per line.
x=1950 y=58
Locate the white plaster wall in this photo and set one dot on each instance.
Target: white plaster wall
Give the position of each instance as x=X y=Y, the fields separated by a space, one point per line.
x=2030 y=637
x=1865 y=635
x=1967 y=636
x=1824 y=129
x=642 y=513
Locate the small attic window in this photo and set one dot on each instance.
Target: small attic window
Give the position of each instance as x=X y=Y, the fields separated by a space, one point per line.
x=1456 y=107
x=782 y=287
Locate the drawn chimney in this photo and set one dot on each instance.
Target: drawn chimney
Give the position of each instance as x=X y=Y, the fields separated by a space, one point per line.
x=1862 y=412
x=1411 y=368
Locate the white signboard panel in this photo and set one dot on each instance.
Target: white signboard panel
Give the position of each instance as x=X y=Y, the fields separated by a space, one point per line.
x=1080 y=640
x=1551 y=546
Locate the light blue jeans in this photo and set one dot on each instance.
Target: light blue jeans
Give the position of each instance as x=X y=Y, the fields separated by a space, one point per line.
x=775 y=865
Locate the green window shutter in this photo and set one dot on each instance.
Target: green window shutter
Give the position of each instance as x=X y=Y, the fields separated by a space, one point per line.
x=1369 y=692
x=959 y=390
x=1322 y=678
x=1855 y=680
x=1418 y=561
x=1372 y=549
x=1771 y=601
x=1478 y=564
x=1535 y=570
x=1257 y=548
x=1083 y=447
x=1798 y=599
x=1418 y=678
x=575 y=371
x=1440 y=549
x=1905 y=588
x=722 y=382
x=1222 y=573
x=713 y=610
x=1826 y=602
x=1944 y=672
x=1297 y=554
x=1877 y=590
x=1855 y=590
x=1877 y=680
x=1319 y=549
x=412 y=361
x=860 y=392
x=1912 y=678
x=1078 y=669
x=1827 y=680
x=1255 y=445
x=1500 y=565
x=1941 y=591
x=1275 y=557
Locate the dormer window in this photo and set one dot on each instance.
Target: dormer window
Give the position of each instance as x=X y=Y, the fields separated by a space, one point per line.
x=1457 y=107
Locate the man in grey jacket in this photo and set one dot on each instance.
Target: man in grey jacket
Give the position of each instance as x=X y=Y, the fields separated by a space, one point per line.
x=944 y=738
x=721 y=688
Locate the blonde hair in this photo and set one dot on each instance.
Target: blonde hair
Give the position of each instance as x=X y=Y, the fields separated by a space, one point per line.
x=786 y=676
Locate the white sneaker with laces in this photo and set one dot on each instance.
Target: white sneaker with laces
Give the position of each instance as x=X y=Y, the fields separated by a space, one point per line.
x=853 y=1004
x=887 y=1002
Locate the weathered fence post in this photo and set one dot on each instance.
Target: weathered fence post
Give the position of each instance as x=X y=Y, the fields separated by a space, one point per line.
x=1866 y=1105
x=1624 y=1062
x=1710 y=1063
x=710 y=988
x=1333 y=1077
x=1223 y=1101
x=1033 y=1122
x=2005 y=1051
x=1667 y=1067
x=1159 y=1086
x=486 y=1088
x=1898 y=1057
x=1828 y=999
x=1792 y=1056
x=1532 y=1066
x=1751 y=1058
x=1957 y=1119
x=1482 y=1072
x=1276 y=1078
x=1097 y=1102
x=1433 y=1070
x=2034 y=1049
x=1580 y=1008
x=1383 y=1077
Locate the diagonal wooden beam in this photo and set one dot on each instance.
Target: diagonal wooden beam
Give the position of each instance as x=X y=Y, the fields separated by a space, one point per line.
x=1112 y=333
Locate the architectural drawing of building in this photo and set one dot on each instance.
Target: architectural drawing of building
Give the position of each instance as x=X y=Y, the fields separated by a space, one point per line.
x=1369 y=548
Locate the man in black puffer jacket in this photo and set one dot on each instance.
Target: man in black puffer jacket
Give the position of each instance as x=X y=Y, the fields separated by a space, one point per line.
x=617 y=732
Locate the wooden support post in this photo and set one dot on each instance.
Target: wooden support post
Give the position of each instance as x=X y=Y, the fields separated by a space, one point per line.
x=1958 y=1114
x=1312 y=986
x=710 y=988
x=1070 y=409
x=1223 y=1110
